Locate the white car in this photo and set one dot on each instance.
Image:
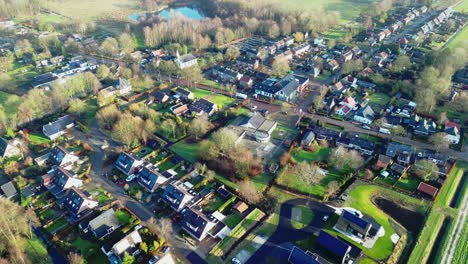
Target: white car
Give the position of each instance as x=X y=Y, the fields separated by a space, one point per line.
x=130 y=178
x=236 y=261
x=153 y=260
x=325 y=218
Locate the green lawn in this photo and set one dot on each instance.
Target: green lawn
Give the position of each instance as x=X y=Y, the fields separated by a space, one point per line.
x=57 y=225
x=306 y=216
x=379 y=98
x=218 y=99
x=36 y=138
x=318 y=190
x=360 y=198
x=166 y=165
x=232 y=220
x=410 y=184
x=36 y=251
x=123 y=217
x=185 y=150
x=261 y=181
x=319 y=155
x=213 y=204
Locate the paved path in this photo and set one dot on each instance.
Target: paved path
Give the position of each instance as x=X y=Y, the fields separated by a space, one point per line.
x=285 y=232
x=457 y=232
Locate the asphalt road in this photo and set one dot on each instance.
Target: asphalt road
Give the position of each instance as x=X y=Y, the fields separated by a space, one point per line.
x=286 y=233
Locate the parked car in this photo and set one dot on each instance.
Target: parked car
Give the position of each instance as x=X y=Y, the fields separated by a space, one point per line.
x=366 y=127
x=121 y=183
x=130 y=178
x=325 y=218
x=236 y=261
x=165 y=249
x=153 y=260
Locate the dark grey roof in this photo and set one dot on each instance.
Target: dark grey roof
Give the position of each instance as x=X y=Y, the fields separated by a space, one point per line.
x=57 y=126
x=202 y=106
x=125 y=162
x=74 y=200
x=3 y=146
x=366 y=112
x=333 y=244
x=194 y=222
x=57 y=155
x=174 y=195
x=299 y=256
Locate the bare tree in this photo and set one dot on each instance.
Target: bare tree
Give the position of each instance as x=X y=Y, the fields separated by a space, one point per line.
x=426 y=170
x=440 y=141
x=248 y=191
x=75 y=258
x=199 y=126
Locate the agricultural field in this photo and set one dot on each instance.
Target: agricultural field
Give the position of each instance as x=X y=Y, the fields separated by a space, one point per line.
x=347 y=9
x=462 y=7
x=91 y=10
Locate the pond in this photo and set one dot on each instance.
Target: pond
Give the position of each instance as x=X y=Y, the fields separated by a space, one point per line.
x=186 y=11
x=411 y=220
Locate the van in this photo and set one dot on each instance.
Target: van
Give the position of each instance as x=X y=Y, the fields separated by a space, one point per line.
x=385 y=131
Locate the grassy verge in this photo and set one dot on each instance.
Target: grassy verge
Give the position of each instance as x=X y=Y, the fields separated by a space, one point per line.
x=461 y=252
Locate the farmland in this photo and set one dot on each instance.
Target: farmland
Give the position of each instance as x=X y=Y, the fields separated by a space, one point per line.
x=347 y=9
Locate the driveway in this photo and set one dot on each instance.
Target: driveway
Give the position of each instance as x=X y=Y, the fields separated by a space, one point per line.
x=279 y=244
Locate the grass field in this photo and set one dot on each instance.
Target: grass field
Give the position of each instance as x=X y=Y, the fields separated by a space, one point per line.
x=306 y=216
x=379 y=98
x=319 y=155
x=462 y=7
x=218 y=99
x=317 y=190
x=347 y=9
x=461 y=253
x=186 y=150
x=91 y=9
x=459 y=39
x=436 y=217
x=36 y=251
x=360 y=198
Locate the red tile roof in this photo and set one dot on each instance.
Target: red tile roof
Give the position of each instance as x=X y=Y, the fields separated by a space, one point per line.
x=428 y=189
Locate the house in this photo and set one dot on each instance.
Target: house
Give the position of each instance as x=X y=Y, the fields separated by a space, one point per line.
x=301 y=49
x=354 y=223
x=387 y=32
x=129 y=244
x=347 y=56
x=308 y=138
x=335 y=246
x=245 y=82
x=9 y=148
x=177 y=195
x=452 y=130
x=383 y=161
x=299 y=256
x=226 y=74
x=59 y=180
x=381 y=36
x=185 y=61
x=285 y=89
x=8 y=191
x=364 y=146
x=397 y=170
x=203 y=106
x=151 y=179
x=184 y=94
x=44 y=81
x=329 y=103
x=196 y=223
x=322 y=133
x=394 y=148
x=127 y=163
x=365 y=115
x=247 y=63
x=78 y=203
x=57 y=128
x=427 y=189
x=158 y=97
x=333 y=65
x=356 y=51
x=425 y=127
x=346 y=106
x=61 y=157
x=179 y=109
x=260 y=126
x=240 y=207
x=104 y=224
x=122 y=87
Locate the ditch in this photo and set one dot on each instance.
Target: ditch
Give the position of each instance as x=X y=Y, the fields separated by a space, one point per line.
x=459 y=192
x=411 y=220
x=439 y=241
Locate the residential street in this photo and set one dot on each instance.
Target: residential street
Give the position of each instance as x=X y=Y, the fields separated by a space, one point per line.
x=350 y=127
x=95 y=138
